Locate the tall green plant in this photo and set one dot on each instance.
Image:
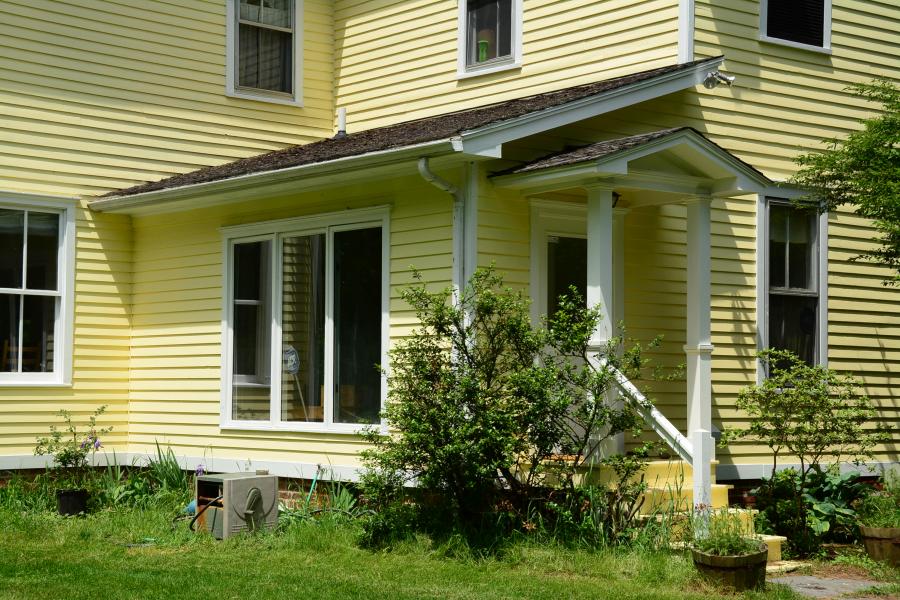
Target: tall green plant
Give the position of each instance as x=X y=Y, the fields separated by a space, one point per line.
x=813 y=414
x=70 y=447
x=483 y=404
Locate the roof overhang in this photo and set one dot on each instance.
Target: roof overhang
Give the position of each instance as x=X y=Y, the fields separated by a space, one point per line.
x=683 y=162
x=476 y=144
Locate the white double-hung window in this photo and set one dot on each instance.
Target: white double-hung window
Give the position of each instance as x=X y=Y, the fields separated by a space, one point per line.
x=264 y=50
x=490 y=36
x=795 y=303
x=35 y=293
x=306 y=322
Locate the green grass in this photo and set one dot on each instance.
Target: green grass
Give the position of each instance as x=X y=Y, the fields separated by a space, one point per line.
x=101 y=556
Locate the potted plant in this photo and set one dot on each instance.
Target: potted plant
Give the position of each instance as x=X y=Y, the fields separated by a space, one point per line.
x=879 y=521
x=726 y=554
x=70 y=450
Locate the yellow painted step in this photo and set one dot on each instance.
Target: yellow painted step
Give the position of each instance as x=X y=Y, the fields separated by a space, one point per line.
x=680 y=498
x=673 y=473
x=773 y=543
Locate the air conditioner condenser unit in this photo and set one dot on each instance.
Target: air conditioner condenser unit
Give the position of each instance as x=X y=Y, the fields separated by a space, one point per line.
x=230 y=503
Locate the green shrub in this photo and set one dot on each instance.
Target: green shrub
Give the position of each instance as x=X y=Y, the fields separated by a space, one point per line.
x=70 y=448
x=881 y=508
x=493 y=419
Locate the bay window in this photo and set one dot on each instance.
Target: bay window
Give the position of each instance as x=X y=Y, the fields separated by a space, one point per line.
x=306 y=322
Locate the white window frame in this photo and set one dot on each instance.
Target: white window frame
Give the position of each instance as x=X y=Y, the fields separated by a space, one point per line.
x=514 y=61
x=232 y=89
x=825 y=48
x=783 y=196
x=63 y=327
x=275 y=231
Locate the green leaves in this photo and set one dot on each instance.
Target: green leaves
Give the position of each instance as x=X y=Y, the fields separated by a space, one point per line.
x=863 y=170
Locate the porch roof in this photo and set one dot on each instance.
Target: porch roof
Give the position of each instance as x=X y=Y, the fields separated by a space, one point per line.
x=476 y=132
x=692 y=165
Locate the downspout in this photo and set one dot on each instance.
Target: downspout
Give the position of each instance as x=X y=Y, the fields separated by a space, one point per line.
x=459 y=205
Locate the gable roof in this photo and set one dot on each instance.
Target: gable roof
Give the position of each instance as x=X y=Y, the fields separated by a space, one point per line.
x=450 y=126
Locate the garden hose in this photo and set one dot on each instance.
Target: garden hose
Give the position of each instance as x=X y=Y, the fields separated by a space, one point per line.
x=202 y=510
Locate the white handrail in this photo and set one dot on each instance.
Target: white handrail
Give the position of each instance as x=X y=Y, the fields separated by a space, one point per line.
x=657 y=421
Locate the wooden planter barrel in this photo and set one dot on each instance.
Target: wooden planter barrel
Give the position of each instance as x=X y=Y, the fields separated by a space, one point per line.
x=882 y=543
x=742 y=572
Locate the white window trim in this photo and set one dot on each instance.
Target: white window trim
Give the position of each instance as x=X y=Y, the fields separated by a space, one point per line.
x=273 y=230
x=762 y=276
x=233 y=90
x=825 y=48
x=464 y=71
x=64 y=324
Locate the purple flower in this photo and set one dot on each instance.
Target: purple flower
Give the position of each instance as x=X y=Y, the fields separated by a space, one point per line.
x=200 y=470
x=97 y=444
x=84 y=444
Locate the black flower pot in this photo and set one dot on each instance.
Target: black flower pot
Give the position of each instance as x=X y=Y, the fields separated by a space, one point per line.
x=71 y=502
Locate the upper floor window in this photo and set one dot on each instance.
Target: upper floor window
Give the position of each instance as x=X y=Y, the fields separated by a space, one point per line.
x=794 y=290
x=264 y=49
x=799 y=23
x=490 y=35
x=306 y=322
x=34 y=287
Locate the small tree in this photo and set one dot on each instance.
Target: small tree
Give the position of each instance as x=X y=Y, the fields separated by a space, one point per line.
x=809 y=412
x=482 y=404
x=863 y=170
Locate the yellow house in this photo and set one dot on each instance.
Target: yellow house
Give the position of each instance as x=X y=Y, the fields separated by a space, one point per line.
x=208 y=208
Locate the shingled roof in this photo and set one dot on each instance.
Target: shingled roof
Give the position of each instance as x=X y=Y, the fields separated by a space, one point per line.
x=401 y=135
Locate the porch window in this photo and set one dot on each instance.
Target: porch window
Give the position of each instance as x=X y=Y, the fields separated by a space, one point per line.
x=566 y=268
x=263 y=49
x=33 y=282
x=793 y=298
x=307 y=319
x=490 y=35
x=799 y=23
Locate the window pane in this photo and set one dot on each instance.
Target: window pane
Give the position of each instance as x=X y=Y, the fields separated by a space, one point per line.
x=566 y=266
x=792 y=325
x=357 y=325
x=303 y=328
x=265 y=59
x=800 y=251
x=251 y=327
x=796 y=20
x=9 y=333
x=12 y=228
x=489 y=33
x=37 y=333
x=778 y=221
x=270 y=12
x=43 y=246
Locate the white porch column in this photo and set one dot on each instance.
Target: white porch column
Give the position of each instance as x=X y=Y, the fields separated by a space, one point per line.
x=600 y=261
x=699 y=347
x=618 y=304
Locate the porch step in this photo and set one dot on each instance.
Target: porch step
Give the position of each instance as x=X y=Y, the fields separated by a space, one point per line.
x=681 y=497
x=774 y=544
x=673 y=473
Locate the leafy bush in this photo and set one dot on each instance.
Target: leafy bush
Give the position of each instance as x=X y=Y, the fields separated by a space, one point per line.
x=814 y=414
x=494 y=420
x=881 y=508
x=70 y=448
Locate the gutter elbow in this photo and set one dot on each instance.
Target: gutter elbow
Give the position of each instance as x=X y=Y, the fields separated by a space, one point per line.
x=436 y=181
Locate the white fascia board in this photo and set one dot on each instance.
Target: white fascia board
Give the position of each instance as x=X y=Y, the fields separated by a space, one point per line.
x=494 y=135
x=254 y=185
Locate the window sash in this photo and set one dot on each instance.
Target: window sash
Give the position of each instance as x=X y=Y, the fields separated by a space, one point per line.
x=23 y=291
x=276 y=289
x=290 y=70
x=472 y=42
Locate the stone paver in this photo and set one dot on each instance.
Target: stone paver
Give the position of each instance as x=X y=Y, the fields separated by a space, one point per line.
x=821 y=587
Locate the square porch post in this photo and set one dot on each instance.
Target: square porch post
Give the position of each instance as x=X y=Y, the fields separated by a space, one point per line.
x=699 y=347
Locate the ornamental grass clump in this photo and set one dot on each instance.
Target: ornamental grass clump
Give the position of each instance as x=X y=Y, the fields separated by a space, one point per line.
x=726 y=535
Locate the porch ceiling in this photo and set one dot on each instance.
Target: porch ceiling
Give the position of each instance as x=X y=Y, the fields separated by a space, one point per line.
x=677 y=161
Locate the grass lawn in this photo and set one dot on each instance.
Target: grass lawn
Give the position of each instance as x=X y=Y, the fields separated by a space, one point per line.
x=46 y=557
